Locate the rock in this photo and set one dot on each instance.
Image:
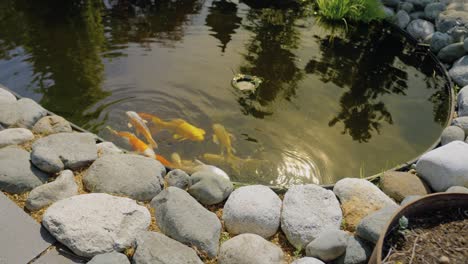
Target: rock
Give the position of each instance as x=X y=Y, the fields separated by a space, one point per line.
x=432 y=10
x=457 y=189
x=417 y=15
x=409 y=199
x=307 y=260
x=329 y=245
x=459 y=71
x=135 y=176
x=178 y=178
x=250 y=249
x=465 y=44
x=374 y=224
x=63 y=187
x=359 y=198
x=408 y=7
x=96 y=223
x=462 y=101
x=209 y=188
x=17 y=174
x=358 y=251
x=420 y=3
x=402 y=19
x=389 y=12
x=156 y=248
x=452 y=133
x=61 y=151
x=445 y=167
x=420 y=29
x=458 y=33
x=307 y=211
x=398 y=185
x=451 y=18
x=451 y=52
x=107 y=148
x=440 y=40
x=51 y=125
x=181 y=217
x=391 y=3
x=15 y=136
x=22 y=113
x=461 y=122
x=6 y=96
x=254 y=209
x=109 y=258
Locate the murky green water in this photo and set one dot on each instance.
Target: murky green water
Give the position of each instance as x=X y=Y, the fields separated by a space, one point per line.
x=353 y=105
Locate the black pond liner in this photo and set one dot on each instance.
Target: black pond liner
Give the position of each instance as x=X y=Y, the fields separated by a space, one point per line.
x=402 y=167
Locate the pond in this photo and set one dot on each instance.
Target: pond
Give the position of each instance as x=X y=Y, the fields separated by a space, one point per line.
x=333 y=103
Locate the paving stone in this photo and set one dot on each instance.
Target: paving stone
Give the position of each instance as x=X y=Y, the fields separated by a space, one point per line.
x=21 y=238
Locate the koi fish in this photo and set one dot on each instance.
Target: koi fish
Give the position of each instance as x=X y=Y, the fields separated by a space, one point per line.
x=140 y=146
x=141 y=128
x=223 y=137
x=182 y=129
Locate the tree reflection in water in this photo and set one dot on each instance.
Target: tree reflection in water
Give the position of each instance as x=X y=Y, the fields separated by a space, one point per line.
x=223 y=21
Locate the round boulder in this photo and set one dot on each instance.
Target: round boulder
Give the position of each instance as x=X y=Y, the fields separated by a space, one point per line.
x=22 y=113
x=15 y=136
x=398 y=185
x=459 y=71
x=51 y=125
x=250 y=248
x=439 y=41
x=135 y=176
x=452 y=133
x=6 y=96
x=209 y=188
x=178 y=178
x=329 y=245
x=96 y=223
x=253 y=209
x=451 y=52
x=308 y=260
x=420 y=29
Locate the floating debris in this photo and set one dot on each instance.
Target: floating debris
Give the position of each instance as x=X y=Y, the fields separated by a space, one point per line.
x=245 y=82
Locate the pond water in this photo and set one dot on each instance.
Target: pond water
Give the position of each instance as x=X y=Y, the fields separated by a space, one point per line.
x=332 y=103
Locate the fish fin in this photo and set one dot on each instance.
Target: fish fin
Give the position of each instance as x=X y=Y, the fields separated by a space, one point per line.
x=154 y=145
x=215 y=140
x=129 y=125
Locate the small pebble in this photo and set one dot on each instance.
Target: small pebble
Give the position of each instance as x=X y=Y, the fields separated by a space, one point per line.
x=444 y=260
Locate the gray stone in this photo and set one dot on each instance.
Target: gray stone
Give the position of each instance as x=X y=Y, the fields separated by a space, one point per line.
x=254 y=209
x=51 y=125
x=452 y=133
x=417 y=15
x=461 y=122
x=409 y=199
x=402 y=19
x=61 y=151
x=22 y=113
x=398 y=185
x=156 y=248
x=359 y=198
x=307 y=260
x=465 y=44
x=107 y=148
x=451 y=52
x=96 y=223
x=22 y=238
x=408 y=7
x=6 y=96
x=17 y=174
x=307 y=211
x=389 y=12
x=459 y=71
x=445 y=167
x=135 y=176
x=391 y=3
x=178 y=178
x=462 y=102
x=110 y=258
x=63 y=187
x=329 y=245
x=374 y=224
x=209 y=188
x=458 y=33
x=451 y=18
x=420 y=29
x=358 y=251
x=59 y=255
x=457 y=189
x=440 y=40
x=433 y=10
x=250 y=249
x=15 y=136
x=182 y=218
x=419 y=3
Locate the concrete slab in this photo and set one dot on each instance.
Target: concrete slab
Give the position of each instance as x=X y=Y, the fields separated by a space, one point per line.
x=21 y=238
x=58 y=255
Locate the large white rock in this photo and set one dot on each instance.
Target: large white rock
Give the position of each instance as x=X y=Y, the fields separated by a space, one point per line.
x=6 y=96
x=22 y=113
x=250 y=249
x=459 y=71
x=14 y=136
x=92 y=224
x=252 y=209
x=445 y=167
x=307 y=211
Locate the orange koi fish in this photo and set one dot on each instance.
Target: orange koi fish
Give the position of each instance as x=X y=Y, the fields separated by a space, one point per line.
x=223 y=137
x=141 y=127
x=182 y=129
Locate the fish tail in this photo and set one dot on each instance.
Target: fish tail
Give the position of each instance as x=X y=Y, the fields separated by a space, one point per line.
x=153 y=143
x=164 y=161
x=111 y=130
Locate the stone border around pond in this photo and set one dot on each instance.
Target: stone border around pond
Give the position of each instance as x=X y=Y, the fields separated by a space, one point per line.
x=100 y=202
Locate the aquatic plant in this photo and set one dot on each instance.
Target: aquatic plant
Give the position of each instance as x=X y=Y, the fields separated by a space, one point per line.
x=350 y=10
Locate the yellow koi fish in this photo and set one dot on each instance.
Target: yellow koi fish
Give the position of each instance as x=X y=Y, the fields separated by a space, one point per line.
x=182 y=129
x=223 y=137
x=141 y=128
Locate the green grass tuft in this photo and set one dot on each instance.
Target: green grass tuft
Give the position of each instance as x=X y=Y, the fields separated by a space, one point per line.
x=351 y=10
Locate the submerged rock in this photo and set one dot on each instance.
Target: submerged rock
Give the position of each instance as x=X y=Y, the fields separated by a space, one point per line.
x=452 y=133
x=15 y=136
x=253 y=209
x=96 y=223
x=307 y=211
x=250 y=248
x=329 y=245
x=17 y=174
x=398 y=185
x=51 y=125
x=209 y=188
